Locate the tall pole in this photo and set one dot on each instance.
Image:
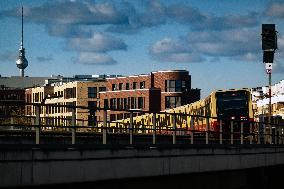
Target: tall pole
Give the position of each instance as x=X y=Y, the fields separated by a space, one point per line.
x=270 y=109
x=22 y=42
x=269 y=45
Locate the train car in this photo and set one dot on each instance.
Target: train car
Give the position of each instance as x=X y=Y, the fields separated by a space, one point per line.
x=225 y=105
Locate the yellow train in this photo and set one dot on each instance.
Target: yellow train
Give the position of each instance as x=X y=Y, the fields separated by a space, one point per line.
x=225 y=105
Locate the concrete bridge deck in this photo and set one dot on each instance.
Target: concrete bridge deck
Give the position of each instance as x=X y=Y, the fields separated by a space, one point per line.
x=31 y=165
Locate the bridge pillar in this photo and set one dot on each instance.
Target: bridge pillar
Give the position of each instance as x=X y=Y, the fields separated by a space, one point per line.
x=221 y=132
x=104 y=127
x=264 y=133
x=191 y=128
x=242 y=132
x=207 y=130
x=174 y=128
x=250 y=133
x=73 y=123
x=232 y=132
x=154 y=128
x=258 y=131
x=275 y=132
x=12 y=122
x=280 y=136
x=130 y=130
x=37 y=123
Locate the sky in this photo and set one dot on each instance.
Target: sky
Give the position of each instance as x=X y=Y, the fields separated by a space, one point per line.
x=217 y=41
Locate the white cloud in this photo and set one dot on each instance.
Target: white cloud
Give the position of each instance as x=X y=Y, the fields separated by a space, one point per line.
x=275 y=9
x=99 y=42
x=170 y=50
x=235 y=44
x=95 y=58
x=9 y=56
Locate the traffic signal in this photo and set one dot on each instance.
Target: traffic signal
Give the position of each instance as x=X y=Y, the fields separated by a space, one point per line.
x=269 y=37
x=268 y=56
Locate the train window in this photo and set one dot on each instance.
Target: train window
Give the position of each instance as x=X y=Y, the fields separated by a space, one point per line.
x=232 y=104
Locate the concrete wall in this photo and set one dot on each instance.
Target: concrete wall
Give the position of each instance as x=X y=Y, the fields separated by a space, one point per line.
x=40 y=166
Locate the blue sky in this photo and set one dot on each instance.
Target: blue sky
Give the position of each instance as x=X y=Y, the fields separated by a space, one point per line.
x=217 y=41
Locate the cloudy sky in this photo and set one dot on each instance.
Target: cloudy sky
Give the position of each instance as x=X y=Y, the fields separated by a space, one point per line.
x=217 y=41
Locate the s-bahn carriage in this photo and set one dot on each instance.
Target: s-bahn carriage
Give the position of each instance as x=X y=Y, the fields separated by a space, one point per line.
x=231 y=105
x=226 y=105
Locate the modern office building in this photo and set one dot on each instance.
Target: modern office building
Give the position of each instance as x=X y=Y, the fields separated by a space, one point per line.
x=76 y=93
x=154 y=92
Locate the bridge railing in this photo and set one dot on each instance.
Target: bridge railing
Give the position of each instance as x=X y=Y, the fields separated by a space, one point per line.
x=64 y=121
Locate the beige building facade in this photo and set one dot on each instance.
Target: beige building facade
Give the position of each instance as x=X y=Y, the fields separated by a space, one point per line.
x=77 y=93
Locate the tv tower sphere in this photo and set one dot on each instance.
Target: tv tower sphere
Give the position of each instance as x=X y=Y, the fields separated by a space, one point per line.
x=22 y=62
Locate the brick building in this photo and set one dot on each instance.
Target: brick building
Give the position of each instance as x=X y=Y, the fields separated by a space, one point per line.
x=77 y=93
x=158 y=91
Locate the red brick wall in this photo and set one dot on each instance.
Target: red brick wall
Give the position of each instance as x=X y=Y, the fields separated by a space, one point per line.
x=154 y=98
x=161 y=76
x=129 y=80
x=188 y=96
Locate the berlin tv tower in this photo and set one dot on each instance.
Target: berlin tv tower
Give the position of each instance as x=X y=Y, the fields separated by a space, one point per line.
x=22 y=62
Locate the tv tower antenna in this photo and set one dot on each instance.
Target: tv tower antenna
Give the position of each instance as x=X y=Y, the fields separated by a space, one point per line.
x=22 y=62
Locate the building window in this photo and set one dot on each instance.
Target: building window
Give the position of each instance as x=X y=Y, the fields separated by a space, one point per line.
x=112 y=117
x=173 y=101
x=113 y=87
x=113 y=103
x=175 y=85
x=140 y=102
x=92 y=120
x=69 y=109
x=105 y=103
x=127 y=86
x=125 y=104
x=92 y=104
x=102 y=89
x=142 y=85
x=36 y=99
x=120 y=85
x=92 y=92
x=133 y=103
x=119 y=103
x=134 y=85
x=70 y=92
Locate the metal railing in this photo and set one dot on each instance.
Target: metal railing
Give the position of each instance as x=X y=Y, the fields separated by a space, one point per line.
x=160 y=128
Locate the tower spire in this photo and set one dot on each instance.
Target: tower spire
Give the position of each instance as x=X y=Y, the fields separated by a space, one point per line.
x=22 y=42
x=22 y=62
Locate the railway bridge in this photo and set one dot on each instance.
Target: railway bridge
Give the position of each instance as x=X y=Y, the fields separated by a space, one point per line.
x=38 y=154
x=40 y=165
